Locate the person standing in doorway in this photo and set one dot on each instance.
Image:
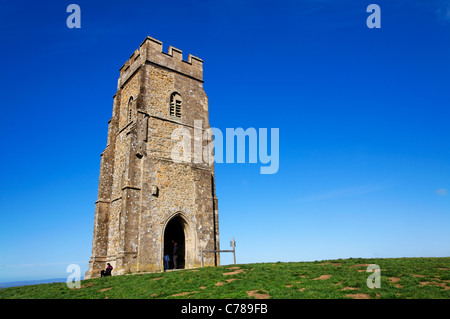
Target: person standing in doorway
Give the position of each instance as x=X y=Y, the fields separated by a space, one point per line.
x=175 y=254
x=166 y=261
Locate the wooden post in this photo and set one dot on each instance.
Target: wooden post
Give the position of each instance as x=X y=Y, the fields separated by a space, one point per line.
x=234 y=251
x=201 y=255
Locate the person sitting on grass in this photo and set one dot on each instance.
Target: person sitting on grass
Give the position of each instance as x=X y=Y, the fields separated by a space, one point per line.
x=108 y=270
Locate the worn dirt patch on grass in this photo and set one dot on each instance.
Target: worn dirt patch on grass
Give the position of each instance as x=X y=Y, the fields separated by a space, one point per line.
x=358 y=296
x=220 y=283
x=257 y=295
x=231 y=279
x=234 y=267
x=432 y=283
x=302 y=289
x=419 y=276
x=323 y=277
x=395 y=280
x=106 y=289
x=334 y=264
x=184 y=293
x=157 y=278
x=233 y=272
x=350 y=288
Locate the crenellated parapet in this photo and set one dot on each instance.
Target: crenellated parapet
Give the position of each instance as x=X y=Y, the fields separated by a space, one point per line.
x=151 y=51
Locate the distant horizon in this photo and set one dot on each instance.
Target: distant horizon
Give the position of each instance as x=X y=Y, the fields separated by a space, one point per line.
x=30 y=282
x=362 y=115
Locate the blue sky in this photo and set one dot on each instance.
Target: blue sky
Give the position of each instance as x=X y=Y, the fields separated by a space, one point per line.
x=362 y=115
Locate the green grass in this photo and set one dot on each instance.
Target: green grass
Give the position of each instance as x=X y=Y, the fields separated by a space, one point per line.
x=400 y=278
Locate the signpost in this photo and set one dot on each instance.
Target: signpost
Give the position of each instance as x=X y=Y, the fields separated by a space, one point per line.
x=232 y=244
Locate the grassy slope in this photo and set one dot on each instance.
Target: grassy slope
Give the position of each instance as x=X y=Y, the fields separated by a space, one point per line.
x=400 y=278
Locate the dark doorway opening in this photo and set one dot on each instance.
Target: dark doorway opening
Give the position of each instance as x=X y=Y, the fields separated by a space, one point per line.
x=175 y=232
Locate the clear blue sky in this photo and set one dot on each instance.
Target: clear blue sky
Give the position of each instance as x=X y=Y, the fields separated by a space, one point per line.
x=363 y=116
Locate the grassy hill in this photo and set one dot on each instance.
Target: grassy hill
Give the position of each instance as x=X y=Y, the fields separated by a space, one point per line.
x=343 y=278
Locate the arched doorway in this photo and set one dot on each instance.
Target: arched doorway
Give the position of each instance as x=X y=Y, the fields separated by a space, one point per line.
x=176 y=231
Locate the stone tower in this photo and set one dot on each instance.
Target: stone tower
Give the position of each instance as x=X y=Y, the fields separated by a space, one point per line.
x=146 y=199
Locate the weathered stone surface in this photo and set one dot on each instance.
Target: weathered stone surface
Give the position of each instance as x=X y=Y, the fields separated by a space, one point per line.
x=141 y=189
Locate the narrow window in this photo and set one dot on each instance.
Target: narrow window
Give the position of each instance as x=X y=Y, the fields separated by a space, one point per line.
x=175 y=105
x=130 y=109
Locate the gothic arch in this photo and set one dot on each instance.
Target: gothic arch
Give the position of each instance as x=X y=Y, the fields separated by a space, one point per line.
x=178 y=226
x=130 y=109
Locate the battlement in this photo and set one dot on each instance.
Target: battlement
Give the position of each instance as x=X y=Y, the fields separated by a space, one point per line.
x=151 y=52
